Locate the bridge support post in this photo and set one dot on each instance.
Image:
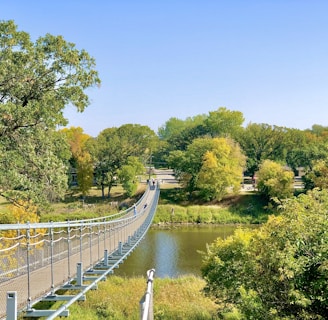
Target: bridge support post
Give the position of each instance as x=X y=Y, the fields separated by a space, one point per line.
x=79 y=274
x=106 y=258
x=11 y=305
x=120 y=247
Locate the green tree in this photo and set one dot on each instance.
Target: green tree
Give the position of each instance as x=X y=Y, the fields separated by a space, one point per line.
x=275 y=181
x=279 y=271
x=204 y=157
x=84 y=173
x=225 y=123
x=114 y=146
x=37 y=80
x=261 y=142
x=303 y=148
x=128 y=175
x=174 y=126
x=317 y=177
x=222 y=170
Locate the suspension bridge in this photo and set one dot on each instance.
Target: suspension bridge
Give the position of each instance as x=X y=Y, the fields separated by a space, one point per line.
x=39 y=259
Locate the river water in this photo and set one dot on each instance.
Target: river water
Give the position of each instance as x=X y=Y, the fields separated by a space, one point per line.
x=172 y=252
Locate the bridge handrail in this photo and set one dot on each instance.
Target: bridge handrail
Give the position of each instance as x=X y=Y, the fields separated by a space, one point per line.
x=73 y=223
x=146 y=303
x=38 y=257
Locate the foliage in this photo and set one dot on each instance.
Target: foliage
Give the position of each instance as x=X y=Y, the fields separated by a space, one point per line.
x=17 y=240
x=303 y=147
x=261 y=142
x=195 y=169
x=317 y=177
x=275 y=181
x=279 y=271
x=114 y=146
x=37 y=80
x=221 y=171
x=225 y=123
x=174 y=126
x=128 y=175
x=84 y=173
x=81 y=159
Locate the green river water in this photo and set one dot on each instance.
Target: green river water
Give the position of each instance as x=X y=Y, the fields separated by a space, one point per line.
x=172 y=252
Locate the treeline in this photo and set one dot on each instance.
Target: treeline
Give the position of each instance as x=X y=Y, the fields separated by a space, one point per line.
x=209 y=153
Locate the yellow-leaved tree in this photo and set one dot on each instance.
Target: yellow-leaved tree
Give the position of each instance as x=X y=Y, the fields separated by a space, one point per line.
x=81 y=159
x=221 y=170
x=13 y=243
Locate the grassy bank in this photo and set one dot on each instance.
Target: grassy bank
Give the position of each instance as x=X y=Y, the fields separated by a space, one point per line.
x=118 y=298
x=240 y=209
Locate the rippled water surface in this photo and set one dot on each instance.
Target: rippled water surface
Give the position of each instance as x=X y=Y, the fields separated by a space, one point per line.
x=172 y=252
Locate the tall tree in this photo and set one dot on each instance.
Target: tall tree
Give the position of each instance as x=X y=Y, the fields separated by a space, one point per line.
x=114 y=146
x=128 y=175
x=261 y=142
x=81 y=160
x=225 y=123
x=222 y=170
x=210 y=164
x=37 y=80
x=174 y=126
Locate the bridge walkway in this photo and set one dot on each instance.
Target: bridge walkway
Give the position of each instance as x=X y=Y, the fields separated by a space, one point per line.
x=41 y=258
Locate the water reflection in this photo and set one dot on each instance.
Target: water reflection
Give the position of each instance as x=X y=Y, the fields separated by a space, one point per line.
x=166 y=254
x=172 y=252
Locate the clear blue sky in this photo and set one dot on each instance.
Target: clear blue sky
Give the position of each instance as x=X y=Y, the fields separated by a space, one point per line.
x=180 y=58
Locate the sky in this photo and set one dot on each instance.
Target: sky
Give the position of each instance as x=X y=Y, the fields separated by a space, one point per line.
x=180 y=58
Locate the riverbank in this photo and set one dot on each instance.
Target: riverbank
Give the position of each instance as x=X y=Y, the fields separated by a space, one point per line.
x=241 y=209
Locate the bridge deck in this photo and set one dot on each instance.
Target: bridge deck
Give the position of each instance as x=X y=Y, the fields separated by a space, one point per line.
x=44 y=275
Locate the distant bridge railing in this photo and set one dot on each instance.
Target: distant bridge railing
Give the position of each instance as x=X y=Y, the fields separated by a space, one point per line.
x=36 y=259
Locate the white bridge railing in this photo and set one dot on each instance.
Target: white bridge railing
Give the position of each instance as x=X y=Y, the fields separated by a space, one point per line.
x=37 y=259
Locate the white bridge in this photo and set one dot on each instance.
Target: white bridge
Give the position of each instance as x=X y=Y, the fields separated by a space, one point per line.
x=36 y=260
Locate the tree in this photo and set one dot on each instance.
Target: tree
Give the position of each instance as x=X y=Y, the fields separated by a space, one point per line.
x=84 y=173
x=317 y=177
x=222 y=170
x=304 y=147
x=174 y=126
x=37 y=80
x=277 y=272
x=225 y=123
x=275 y=181
x=261 y=142
x=128 y=175
x=114 y=146
x=209 y=164
x=81 y=159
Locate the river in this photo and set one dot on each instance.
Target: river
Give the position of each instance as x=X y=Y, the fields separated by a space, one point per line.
x=172 y=252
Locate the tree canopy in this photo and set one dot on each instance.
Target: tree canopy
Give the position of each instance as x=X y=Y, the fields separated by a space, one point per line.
x=112 y=148
x=275 y=181
x=37 y=80
x=279 y=271
x=209 y=164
